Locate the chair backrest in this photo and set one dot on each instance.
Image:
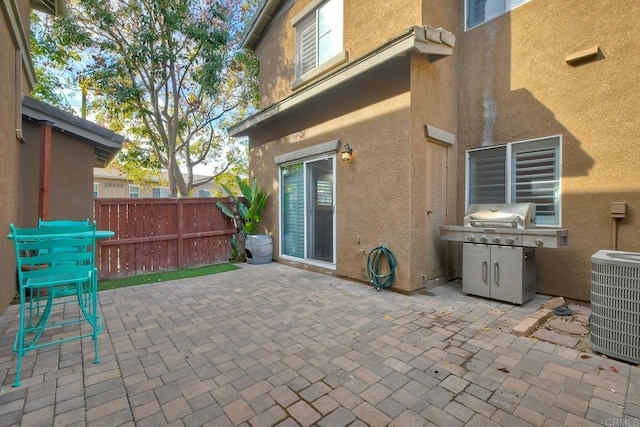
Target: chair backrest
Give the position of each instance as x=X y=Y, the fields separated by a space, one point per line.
x=53 y=251
x=61 y=223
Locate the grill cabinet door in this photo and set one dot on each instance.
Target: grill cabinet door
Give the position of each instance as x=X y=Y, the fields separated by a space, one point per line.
x=506 y=273
x=476 y=271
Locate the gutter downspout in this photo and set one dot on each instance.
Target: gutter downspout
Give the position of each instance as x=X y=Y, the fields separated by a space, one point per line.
x=18 y=93
x=45 y=169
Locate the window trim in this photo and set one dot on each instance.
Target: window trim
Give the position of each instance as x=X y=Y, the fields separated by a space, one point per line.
x=509 y=170
x=304 y=161
x=319 y=68
x=160 y=190
x=131 y=186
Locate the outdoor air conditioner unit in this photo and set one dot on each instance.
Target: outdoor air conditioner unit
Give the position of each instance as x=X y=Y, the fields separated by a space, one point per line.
x=615 y=304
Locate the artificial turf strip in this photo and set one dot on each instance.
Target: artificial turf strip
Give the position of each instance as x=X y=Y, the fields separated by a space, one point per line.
x=165 y=276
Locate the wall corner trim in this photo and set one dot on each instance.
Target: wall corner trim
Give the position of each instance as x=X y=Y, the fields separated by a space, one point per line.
x=325 y=147
x=439 y=135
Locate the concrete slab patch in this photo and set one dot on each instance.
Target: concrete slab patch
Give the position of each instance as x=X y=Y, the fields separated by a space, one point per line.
x=555 y=338
x=568 y=327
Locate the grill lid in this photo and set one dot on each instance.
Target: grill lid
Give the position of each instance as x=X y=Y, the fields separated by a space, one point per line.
x=505 y=215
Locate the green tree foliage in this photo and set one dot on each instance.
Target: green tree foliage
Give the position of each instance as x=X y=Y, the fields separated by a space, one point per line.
x=51 y=62
x=168 y=74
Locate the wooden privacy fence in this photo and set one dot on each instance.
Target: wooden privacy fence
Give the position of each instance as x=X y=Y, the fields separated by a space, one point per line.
x=161 y=234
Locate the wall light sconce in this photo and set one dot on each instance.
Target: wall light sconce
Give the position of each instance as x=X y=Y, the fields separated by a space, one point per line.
x=346 y=153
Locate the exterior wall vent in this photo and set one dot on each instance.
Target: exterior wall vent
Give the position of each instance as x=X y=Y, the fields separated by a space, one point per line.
x=615 y=304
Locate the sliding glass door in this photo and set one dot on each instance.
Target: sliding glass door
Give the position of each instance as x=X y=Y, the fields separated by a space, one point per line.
x=307 y=210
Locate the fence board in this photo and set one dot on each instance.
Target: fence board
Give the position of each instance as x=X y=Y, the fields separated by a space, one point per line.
x=161 y=234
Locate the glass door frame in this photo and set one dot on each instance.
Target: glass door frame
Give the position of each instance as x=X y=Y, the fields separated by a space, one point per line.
x=305 y=162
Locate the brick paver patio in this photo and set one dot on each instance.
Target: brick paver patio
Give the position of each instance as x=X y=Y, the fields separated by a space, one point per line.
x=272 y=345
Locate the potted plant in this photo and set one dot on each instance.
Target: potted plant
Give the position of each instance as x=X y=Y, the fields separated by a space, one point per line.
x=247 y=214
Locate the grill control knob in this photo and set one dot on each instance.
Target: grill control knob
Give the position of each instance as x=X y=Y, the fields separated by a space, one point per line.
x=483 y=239
x=496 y=240
x=510 y=241
x=471 y=238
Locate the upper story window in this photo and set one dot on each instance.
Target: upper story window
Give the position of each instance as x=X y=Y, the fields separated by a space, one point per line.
x=479 y=11
x=134 y=191
x=318 y=34
x=96 y=185
x=204 y=193
x=519 y=172
x=160 y=192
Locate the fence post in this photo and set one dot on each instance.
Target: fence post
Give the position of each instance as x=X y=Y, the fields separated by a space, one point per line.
x=180 y=215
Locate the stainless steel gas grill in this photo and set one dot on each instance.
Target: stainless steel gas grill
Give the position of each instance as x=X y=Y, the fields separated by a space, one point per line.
x=499 y=246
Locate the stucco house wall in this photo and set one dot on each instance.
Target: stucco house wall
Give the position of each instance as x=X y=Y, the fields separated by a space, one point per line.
x=113 y=184
x=380 y=137
x=507 y=80
x=11 y=148
x=381 y=195
x=71 y=190
x=368 y=27
x=516 y=62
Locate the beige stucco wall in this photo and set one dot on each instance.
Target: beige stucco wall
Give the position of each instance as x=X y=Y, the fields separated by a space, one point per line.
x=380 y=196
x=9 y=161
x=365 y=28
x=71 y=188
x=119 y=188
x=370 y=191
x=517 y=62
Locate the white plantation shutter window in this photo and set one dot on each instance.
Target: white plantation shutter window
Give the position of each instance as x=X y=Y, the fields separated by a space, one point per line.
x=318 y=36
x=487 y=175
x=535 y=178
x=306 y=44
x=519 y=172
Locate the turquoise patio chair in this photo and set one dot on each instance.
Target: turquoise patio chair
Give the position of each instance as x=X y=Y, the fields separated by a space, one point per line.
x=36 y=297
x=60 y=259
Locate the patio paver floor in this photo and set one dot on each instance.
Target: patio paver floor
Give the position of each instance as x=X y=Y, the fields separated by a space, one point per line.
x=272 y=345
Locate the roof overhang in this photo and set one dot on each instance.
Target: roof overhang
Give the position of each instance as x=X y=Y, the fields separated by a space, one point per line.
x=384 y=70
x=105 y=142
x=259 y=22
x=52 y=7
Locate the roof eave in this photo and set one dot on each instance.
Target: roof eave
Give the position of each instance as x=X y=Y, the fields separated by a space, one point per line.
x=425 y=40
x=259 y=22
x=106 y=143
x=51 y=7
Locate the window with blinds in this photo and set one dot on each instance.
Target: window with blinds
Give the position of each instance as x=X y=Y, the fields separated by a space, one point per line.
x=520 y=172
x=535 y=179
x=488 y=169
x=306 y=45
x=307 y=210
x=318 y=36
x=293 y=210
x=479 y=11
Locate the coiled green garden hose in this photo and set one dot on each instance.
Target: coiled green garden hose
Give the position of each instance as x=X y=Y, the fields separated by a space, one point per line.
x=378 y=280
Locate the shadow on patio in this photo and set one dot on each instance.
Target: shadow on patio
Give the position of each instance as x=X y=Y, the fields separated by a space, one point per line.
x=273 y=345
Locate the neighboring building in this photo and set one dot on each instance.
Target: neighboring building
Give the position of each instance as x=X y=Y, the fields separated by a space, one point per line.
x=438 y=121
x=47 y=154
x=110 y=183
